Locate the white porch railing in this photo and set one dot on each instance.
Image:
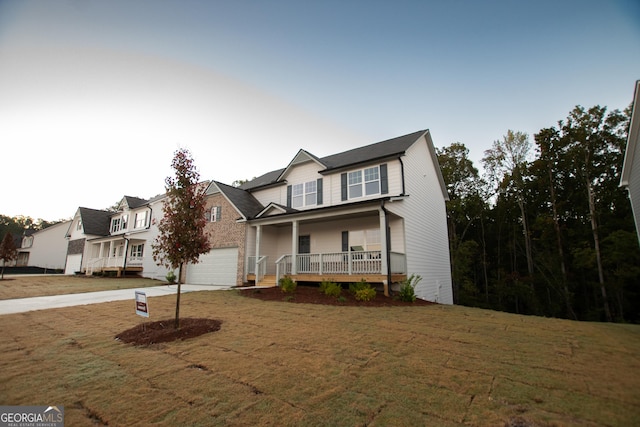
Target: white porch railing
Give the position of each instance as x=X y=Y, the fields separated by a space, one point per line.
x=99 y=264
x=360 y=262
x=262 y=267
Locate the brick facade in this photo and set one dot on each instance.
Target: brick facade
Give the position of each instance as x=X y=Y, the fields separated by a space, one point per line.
x=227 y=232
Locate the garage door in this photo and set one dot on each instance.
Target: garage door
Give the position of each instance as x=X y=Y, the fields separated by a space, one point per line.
x=218 y=267
x=74 y=263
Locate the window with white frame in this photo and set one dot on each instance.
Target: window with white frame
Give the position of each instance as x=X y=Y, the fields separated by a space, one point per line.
x=116 y=225
x=140 y=220
x=79 y=225
x=367 y=240
x=305 y=194
x=215 y=214
x=364 y=182
x=137 y=250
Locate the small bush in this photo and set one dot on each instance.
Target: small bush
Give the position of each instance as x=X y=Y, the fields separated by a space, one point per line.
x=407 y=291
x=287 y=284
x=331 y=289
x=355 y=287
x=170 y=277
x=365 y=294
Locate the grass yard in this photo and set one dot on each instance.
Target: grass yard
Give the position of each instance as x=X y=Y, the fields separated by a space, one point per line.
x=38 y=286
x=281 y=363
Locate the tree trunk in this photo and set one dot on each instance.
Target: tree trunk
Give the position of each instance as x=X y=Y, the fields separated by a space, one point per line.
x=176 y=322
x=556 y=226
x=527 y=238
x=596 y=242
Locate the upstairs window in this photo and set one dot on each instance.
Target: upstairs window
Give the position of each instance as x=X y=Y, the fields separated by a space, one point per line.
x=140 y=220
x=119 y=224
x=305 y=194
x=215 y=214
x=365 y=182
x=79 y=225
x=116 y=225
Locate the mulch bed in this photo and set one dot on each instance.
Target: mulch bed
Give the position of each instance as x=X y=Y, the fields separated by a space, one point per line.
x=162 y=331
x=312 y=295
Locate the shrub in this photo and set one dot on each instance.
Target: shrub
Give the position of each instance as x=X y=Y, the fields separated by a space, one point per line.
x=355 y=287
x=170 y=277
x=365 y=294
x=407 y=291
x=287 y=284
x=331 y=289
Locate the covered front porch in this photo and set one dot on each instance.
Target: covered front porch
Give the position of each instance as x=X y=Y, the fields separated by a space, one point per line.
x=119 y=254
x=342 y=245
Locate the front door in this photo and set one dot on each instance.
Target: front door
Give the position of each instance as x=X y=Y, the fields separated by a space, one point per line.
x=304 y=247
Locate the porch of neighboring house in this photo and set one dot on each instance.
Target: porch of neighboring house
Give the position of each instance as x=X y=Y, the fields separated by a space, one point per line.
x=120 y=256
x=345 y=247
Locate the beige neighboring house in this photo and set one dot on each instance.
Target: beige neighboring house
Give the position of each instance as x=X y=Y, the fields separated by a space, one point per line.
x=631 y=168
x=44 y=248
x=376 y=213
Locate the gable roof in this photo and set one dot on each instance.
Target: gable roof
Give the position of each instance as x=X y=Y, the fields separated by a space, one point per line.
x=380 y=150
x=95 y=222
x=244 y=202
x=134 y=202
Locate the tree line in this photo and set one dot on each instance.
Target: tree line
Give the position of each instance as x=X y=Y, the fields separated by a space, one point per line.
x=546 y=229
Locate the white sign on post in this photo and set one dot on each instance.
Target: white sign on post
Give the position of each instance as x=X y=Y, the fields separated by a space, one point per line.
x=142 y=309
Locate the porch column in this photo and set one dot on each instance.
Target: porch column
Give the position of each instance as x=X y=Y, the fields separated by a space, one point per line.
x=384 y=267
x=258 y=238
x=294 y=247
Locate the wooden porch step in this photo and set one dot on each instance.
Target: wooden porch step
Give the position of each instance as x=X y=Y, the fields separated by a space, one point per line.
x=268 y=280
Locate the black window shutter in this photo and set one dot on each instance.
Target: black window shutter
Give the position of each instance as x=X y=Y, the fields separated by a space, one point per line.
x=345 y=241
x=319 y=190
x=384 y=181
x=288 y=196
x=343 y=186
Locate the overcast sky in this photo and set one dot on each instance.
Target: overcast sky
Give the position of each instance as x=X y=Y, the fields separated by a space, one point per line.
x=96 y=96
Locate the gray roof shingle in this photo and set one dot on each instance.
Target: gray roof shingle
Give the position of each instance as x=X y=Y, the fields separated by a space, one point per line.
x=380 y=150
x=95 y=222
x=244 y=201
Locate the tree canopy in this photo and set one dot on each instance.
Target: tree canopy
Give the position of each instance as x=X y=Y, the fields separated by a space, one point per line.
x=557 y=238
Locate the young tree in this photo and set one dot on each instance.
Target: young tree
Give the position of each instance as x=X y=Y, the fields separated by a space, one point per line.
x=182 y=238
x=8 y=251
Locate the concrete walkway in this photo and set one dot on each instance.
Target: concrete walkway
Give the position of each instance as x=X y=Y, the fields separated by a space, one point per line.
x=22 y=305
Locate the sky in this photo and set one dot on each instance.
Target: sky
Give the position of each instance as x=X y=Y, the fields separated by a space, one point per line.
x=96 y=96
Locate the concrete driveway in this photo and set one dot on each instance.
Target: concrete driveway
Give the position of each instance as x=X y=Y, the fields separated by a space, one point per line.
x=22 y=305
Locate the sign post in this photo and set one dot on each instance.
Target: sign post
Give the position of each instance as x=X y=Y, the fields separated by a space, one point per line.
x=142 y=309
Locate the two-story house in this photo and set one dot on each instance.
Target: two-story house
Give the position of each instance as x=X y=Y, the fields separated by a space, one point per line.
x=118 y=241
x=44 y=248
x=375 y=213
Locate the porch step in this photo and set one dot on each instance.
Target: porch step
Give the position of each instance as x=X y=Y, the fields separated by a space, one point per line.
x=268 y=280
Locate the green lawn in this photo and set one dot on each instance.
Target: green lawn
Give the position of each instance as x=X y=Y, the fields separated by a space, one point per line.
x=281 y=363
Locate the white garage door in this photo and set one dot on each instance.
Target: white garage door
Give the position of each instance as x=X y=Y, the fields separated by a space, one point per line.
x=218 y=267
x=74 y=263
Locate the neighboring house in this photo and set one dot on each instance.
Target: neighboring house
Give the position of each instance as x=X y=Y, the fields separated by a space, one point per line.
x=44 y=248
x=631 y=169
x=120 y=241
x=375 y=213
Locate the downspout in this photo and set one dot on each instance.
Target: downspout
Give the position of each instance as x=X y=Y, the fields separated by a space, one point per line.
x=401 y=175
x=126 y=249
x=387 y=236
